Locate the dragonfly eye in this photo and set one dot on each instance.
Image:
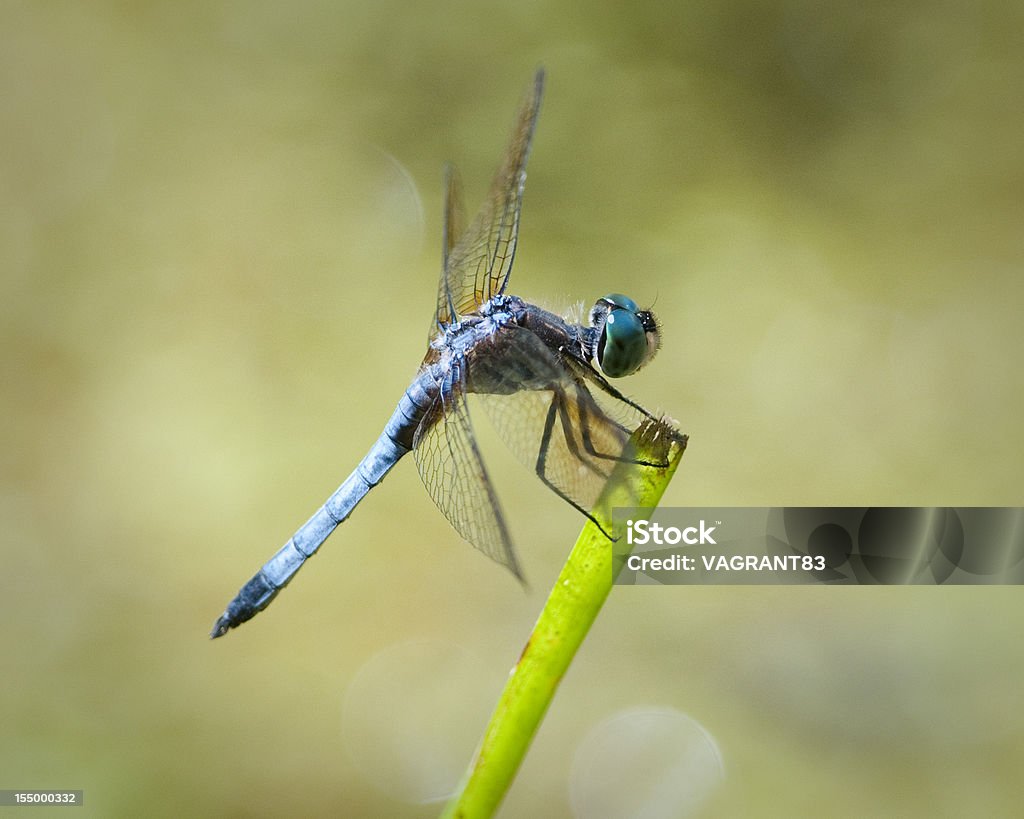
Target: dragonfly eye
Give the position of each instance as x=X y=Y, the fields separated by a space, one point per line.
x=628 y=337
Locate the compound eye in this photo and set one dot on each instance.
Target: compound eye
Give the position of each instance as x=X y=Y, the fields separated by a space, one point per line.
x=628 y=336
x=623 y=344
x=612 y=301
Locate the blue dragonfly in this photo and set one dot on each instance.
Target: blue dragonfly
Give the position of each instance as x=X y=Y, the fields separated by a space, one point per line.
x=541 y=378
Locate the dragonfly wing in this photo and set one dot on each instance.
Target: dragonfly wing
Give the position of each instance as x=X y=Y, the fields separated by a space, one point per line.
x=452 y=470
x=477 y=262
x=454 y=210
x=542 y=406
x=454 y=227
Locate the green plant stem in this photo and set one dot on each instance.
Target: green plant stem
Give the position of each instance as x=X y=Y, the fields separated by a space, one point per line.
x=577 y=597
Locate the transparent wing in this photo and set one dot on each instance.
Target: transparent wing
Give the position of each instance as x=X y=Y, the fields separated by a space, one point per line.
x=543 y=407
x=453 y=472
x=477 y=262
x=454 y=211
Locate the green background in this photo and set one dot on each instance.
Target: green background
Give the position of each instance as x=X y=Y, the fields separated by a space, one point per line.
x=219 y=247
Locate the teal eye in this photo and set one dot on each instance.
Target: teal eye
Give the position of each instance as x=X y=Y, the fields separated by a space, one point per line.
x=618 y=300
x=629 y=336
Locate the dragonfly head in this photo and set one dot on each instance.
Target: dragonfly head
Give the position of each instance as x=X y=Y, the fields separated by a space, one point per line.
x=626 y=338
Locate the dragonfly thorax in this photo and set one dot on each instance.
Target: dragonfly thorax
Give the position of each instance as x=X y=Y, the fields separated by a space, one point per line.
x=625 y=336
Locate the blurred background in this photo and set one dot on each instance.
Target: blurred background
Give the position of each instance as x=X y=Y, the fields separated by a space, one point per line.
x=219 y=247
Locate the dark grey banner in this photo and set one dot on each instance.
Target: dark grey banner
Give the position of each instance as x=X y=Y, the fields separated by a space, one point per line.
x=864 y=545
x=13 y=798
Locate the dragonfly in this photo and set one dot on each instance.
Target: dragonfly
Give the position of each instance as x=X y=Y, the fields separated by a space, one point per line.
x=542 y=379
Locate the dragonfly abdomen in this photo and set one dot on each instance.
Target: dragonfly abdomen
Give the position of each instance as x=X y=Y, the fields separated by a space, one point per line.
x=394 y=442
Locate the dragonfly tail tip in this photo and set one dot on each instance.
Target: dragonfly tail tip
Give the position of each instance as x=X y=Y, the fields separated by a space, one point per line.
x=221 y=627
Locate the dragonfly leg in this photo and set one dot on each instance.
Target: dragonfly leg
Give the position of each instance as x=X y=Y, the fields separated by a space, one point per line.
x=557 y=410
x=593 y=375
x=588 y=443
